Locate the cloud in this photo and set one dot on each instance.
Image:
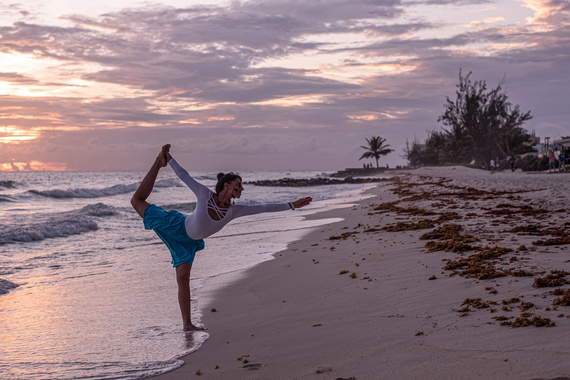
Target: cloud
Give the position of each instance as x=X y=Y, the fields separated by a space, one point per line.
x=478 y=23
x=149 y=74
x=17 y=79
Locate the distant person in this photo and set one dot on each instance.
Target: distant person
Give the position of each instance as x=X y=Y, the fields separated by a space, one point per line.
x=562 y=160
x=497 y=163
x=492 y=165
x=183 y=235
x=551 y=162
x=513 y=163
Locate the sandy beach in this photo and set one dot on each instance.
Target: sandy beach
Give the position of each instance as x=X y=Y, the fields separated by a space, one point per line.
x=443 y=273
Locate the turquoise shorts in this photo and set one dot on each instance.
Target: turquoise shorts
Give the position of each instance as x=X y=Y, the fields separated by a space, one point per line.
x=169 y=226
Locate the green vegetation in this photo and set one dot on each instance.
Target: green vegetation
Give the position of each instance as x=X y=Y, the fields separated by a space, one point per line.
x=478 y=126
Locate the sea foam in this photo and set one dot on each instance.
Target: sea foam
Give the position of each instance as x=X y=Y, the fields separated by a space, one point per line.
x=57 y=225
x=86 y=192
x=99 y=193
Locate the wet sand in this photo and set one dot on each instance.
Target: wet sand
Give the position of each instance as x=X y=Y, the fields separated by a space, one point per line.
x=443 y=273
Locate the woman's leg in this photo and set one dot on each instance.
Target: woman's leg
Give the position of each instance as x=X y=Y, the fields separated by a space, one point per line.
x=138 y=201
x=184 y=299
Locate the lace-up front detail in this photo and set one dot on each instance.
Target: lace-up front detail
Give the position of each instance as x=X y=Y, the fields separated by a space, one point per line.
x=218 y=212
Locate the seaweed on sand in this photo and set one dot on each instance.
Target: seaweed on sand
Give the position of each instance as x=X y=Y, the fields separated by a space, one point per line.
x=525 y=306
x=555 y=241
x=477 y=303
x=508 y=209
x=391 y=207
x=564 y=300
x=479 y=265
x=553 y=279
x=343 y=236
x=524 y=321
x=448 y=216
x=401 y=226
x=453 y=240
x=444 y=232
x=521 y=273
x=448 y=246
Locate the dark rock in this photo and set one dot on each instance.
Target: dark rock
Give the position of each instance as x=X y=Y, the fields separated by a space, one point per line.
x=293 y=182
x=6 y=286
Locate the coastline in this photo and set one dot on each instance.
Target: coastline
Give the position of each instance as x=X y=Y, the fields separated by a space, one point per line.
x=396 y=312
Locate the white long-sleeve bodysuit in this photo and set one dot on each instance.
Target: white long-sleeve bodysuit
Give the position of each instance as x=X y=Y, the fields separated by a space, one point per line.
x=199 y=224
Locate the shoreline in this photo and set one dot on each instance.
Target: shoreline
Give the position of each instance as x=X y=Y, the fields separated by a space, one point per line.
x=396 y=312
x=306 y=218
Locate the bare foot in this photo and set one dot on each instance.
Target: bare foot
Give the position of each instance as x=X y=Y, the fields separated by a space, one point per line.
x=192 y=327
x=163 y=156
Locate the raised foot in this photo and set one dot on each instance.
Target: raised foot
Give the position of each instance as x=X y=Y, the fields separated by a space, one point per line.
x=164 y=155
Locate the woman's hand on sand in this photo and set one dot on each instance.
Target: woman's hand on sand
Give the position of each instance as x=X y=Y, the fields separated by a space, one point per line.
x=302 y=202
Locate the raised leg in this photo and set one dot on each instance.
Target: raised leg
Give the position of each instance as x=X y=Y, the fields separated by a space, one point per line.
x=184 y=299
x=138 y=200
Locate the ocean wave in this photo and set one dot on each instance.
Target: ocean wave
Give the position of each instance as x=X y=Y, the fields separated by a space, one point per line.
x=182 y=207
x=9 y=184
x=6 y=198
x=206 y=178
x=98 y=209
x=168 y=183
x=58 y=225
x=6 y=286
x=86 y=192
x=99 y=193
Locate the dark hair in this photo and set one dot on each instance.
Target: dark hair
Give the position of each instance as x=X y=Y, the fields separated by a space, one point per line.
x=225 y=178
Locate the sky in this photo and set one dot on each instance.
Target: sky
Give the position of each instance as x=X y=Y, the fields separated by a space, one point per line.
x=262 y=85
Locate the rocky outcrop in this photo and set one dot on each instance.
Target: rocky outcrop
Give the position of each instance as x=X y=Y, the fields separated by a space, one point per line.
x=6 y=286
x=294 y=182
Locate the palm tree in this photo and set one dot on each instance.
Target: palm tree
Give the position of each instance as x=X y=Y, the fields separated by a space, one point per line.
x=375 y=148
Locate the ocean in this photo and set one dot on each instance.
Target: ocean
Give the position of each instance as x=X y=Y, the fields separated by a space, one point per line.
x=87 y=293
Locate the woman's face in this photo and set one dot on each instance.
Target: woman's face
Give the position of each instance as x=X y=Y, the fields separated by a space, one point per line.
x=235 y=187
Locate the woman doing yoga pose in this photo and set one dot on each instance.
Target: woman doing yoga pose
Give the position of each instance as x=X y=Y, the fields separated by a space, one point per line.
x=183 y=235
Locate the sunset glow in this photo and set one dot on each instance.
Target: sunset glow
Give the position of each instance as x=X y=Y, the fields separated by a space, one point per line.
x=32 y=166
x=12 y=135
x=143 y=74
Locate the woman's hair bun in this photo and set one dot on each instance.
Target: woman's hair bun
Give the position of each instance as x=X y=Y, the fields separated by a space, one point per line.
x=220 y=175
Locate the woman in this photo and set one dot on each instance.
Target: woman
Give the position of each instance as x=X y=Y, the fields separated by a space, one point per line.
x=183 y=235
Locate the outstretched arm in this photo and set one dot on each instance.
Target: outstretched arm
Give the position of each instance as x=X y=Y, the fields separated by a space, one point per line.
x=241 y=210
x=194 y=185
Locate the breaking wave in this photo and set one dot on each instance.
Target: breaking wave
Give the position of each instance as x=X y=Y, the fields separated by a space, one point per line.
x=182 y=207
x=58 y=225
x=99 y=193
x=86 y=193
x=168 y=183
x=8 y=184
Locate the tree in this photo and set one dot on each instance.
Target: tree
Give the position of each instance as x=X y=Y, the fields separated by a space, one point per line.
x=415 y=153
x=434 y=148
x=456 y=146
x=492 y=125
x=375 y=148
